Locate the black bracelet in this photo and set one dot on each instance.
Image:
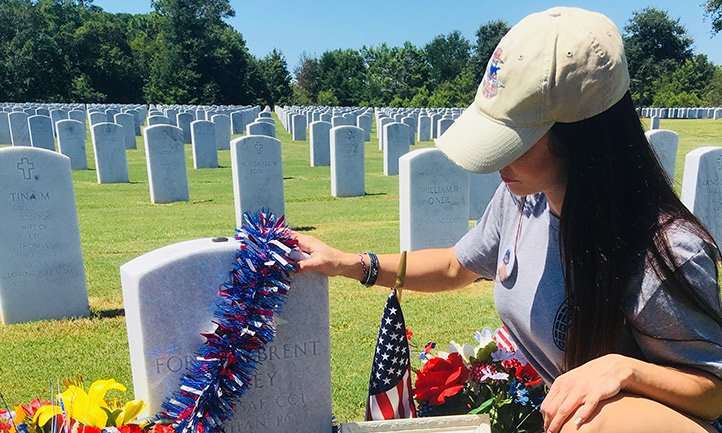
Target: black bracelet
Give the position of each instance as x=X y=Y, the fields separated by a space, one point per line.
x=373 y=270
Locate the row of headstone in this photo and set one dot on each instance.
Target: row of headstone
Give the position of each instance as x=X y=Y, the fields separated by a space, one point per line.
x=682 y=113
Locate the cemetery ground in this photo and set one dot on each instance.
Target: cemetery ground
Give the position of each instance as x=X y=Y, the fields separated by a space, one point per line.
x=118 y=223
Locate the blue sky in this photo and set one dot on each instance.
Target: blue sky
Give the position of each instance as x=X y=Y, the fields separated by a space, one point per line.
x=318 y=26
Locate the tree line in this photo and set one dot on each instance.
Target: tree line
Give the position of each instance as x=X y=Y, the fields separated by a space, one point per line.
x=183 y=52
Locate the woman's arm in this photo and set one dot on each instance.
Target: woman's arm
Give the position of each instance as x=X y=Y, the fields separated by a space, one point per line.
x=431 y=270
x=575 y=394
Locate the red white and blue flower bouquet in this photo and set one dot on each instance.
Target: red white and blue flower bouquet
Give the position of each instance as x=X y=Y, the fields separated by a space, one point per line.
x=491 y=377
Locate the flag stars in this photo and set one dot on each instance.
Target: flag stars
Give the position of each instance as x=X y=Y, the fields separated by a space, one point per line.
x=388 y=320
x=392 y=311
x=385 y=357
x=395 y=336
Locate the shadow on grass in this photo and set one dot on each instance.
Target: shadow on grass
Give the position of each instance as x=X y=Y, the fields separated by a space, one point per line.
x=376 y=193
x=304 y=228
x=108 y=314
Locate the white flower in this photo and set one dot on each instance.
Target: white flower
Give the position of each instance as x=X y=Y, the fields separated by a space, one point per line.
x=484 y=337
x=502 y=355
x=466 y=351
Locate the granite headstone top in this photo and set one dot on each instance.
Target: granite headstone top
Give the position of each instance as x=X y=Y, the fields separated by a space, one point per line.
x=665 y=143
x=166 y=161
x=348 y=171
x=702 y=187
x=127 y=121
x=320 y=144
x=19 y=130
x=203 y=138
x=42 y=276
x=257 y=168
x=170 y=298
x=223 y=131
x=433 y=200
x=41 y=132
x=397 y=144
x=111 y=163
x=71 y=142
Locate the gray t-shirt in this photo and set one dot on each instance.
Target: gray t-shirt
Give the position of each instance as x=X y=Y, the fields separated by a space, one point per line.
x=531 y=303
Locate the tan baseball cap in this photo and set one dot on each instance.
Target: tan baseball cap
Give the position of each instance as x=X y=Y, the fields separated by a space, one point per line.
x=561 y=65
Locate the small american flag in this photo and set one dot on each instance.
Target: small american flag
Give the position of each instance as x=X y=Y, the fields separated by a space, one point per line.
x=390 y=393
x=503 y=339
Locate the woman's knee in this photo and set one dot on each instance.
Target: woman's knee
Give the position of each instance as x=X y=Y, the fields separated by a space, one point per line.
x=634 y=414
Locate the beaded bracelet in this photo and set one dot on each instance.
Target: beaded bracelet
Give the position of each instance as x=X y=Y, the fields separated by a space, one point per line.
x=373 y=270
x=363 y=266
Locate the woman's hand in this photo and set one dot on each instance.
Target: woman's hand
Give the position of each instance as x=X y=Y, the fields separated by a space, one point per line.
x=325 y=259
x=575 y=394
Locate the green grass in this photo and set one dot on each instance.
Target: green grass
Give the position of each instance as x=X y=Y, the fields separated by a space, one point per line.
x=118 y=223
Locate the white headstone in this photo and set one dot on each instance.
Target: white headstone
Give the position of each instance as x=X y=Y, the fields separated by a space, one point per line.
x=298 y=127
x=97 y=117
x=41 y=132
x=380 y=130
x=257 y=168
x=424 y=128
x=654 y=123
x=111 y=163
x=5 y=129
x=183 y=120
x=444 y=125
x=19 y=130
x=481 y=190
x=223 y=131
x=158 y=120
x=347 y=162
x=261 y=128
x=166 y=161
x=182 y=280
x=664 y=142
x=702 y=187
x=203 y=138
x=320 y=141
x=128 y=123
x=397 y=144
x=41 y=263
x=71 y=143
x=433 y=200
x=365 y=122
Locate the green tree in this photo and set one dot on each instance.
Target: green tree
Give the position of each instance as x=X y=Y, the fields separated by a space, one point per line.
x=447 y=56
x=394 y=74
x=713 y=10
x=487 y=38
x=686 y=85
x=342 y=73
x=276 y=74
x=654 y=44
x=712 y=95
x=307 y=85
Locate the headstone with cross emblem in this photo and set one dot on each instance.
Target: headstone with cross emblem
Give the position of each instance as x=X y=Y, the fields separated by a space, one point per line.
x=182 y=280
x=702 y=187
x=166 y=162
x=71 y=142
x=111 y=163
x=203 y=139
x=257 y=168
x=433 y=200
x=348 y=170
x=41 y=263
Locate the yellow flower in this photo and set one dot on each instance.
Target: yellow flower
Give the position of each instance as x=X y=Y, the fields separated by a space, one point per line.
x=90 y=408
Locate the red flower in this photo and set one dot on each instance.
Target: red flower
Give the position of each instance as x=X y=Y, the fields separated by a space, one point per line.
x=86 y=429
x=441 y=378
x=408 y=334
x=130 y=428
x=528 y=375
x=163 y=428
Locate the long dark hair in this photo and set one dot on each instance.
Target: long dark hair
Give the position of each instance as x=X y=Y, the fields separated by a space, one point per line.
x=617 y=205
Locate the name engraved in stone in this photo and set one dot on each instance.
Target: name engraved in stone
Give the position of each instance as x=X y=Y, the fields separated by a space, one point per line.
x=175 y=363
x=24 y=196
x=258 y=407
x=36 y=272
x=259 y=163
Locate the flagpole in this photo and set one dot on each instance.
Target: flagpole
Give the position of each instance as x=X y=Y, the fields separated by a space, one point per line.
x=401 y=276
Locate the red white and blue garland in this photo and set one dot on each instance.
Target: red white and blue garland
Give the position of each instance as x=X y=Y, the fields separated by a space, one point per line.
x=223 y=367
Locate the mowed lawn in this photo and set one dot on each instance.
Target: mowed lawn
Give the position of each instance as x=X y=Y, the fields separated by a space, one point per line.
x=118 y=223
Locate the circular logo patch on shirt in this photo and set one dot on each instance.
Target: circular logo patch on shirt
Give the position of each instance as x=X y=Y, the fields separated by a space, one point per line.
x=561 y=322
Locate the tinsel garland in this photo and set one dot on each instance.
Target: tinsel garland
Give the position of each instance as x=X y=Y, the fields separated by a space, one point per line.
x=223 y=368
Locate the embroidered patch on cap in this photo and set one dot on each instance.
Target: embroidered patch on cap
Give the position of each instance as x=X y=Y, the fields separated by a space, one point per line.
x=491 y=85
